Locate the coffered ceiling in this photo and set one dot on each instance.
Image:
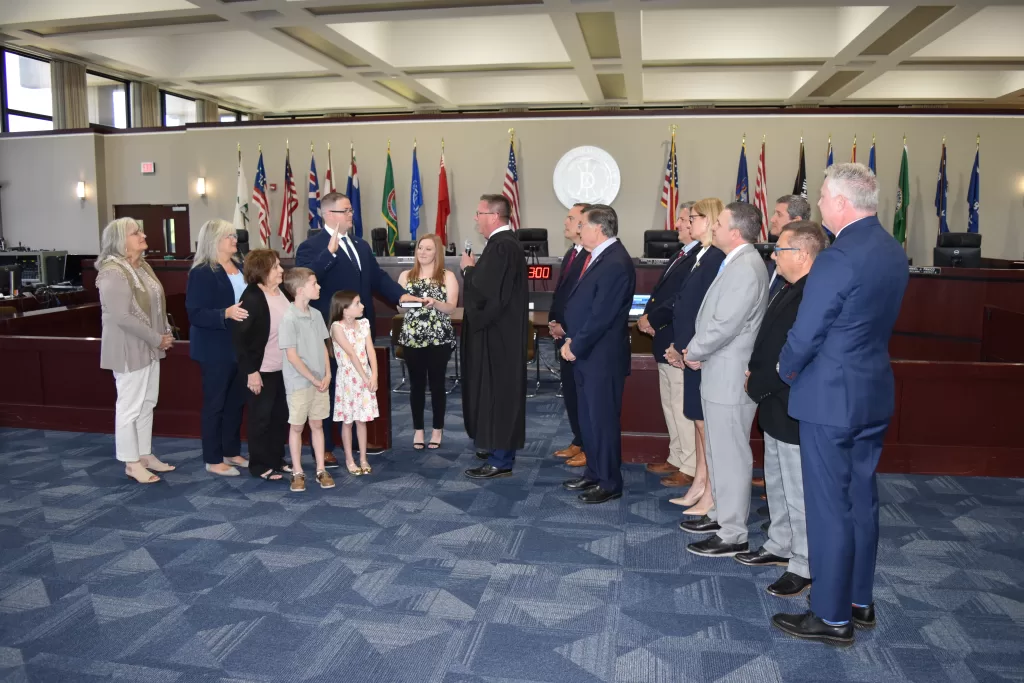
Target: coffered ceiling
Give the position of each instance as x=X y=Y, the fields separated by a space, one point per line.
x=313 y=56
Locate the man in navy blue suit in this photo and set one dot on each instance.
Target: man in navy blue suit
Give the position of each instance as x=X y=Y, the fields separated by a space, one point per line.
x=344 y=262
x=836 y=360
x=597 y=344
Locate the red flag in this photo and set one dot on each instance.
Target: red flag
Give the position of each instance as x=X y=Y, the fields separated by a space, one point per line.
x=444 y=207
x=761 y=194
x=289 y=203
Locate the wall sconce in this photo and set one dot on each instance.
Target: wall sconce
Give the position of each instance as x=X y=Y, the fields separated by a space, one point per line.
x=80 y=190
x=201 y=186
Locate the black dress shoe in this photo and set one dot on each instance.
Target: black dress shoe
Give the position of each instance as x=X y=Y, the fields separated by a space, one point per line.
x=702 y=525
x=789 y=585
x=487 y=472
x=598 y=495
x=864 y=617
x=810 y=627
x=578 y=484
x=483 y=455
x=761 y=558
x=716 y=547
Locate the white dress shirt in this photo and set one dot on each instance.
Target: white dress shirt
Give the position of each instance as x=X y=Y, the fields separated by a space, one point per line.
x=344 y=244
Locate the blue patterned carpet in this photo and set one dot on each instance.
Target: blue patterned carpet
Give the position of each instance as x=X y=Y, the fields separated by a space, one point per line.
x=416 y=574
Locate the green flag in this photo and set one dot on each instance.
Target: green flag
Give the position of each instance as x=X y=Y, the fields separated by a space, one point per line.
x=899 y=224
x=389 y=206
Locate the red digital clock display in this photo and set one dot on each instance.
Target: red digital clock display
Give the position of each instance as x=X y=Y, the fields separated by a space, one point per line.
x=538 y=272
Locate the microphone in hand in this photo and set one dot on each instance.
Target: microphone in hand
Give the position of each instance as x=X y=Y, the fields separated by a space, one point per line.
x=469 y=247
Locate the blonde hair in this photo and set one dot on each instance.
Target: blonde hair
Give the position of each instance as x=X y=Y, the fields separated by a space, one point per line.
x=210 y=236
x=438 y=274
x=114 y=239
x=709 y=207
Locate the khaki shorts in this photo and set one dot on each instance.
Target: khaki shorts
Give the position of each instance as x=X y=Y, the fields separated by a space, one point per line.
x=308 y=404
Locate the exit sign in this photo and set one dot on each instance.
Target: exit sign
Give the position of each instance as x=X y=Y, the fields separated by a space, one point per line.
x=148 y=167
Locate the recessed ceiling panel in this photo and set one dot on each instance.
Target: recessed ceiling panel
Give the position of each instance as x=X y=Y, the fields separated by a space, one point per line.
x=510 y=90
x=720 y=86
x=936 y=85
x=311 y=97
x=26 y=11
x=992 y=32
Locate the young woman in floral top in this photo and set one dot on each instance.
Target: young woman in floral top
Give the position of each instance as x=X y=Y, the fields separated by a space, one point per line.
x=427 y=334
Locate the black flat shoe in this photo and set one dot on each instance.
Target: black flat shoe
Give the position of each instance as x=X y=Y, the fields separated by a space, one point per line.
x=578 y=484
x=789 y=585
x=483 y=455
x=761 y=558
x=864 y=617
x=716 y=547
x=487 y=472
x=597 y=495
x=701 y=525
x=810 y=627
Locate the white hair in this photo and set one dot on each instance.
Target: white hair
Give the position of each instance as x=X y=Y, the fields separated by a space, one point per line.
x=856 y=183
x=114 y=239
x=210 y=236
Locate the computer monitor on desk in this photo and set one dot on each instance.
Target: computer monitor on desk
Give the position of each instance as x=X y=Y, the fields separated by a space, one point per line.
x=636 y=309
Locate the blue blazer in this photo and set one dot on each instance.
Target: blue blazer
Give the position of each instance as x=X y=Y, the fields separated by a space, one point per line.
x=337 y=273
x=691 y=296
x=597 y=312
x=567 y=278
x=836 y=356
x=207 y=295
x=662 y=302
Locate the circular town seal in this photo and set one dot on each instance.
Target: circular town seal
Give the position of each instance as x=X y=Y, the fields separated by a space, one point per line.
x=586 y=174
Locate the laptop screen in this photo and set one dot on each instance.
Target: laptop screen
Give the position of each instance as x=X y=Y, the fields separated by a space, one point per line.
x=639 y=303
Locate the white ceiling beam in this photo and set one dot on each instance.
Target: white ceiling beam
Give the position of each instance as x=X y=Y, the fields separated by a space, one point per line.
x=569 y=32
x=629 y=27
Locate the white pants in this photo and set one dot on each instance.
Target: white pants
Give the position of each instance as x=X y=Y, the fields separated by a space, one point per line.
x=137 y=393
x=682 y=436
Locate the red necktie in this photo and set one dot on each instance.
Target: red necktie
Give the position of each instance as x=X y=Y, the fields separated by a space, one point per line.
x=586 y=262
x=568 y=266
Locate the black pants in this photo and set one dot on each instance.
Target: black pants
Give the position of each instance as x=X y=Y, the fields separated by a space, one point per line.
x=569 y=396
x=427 y=363
x=268 y=425
x=223 y=401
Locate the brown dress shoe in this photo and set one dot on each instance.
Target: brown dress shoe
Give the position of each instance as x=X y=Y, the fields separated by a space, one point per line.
x=568 y=452
x=677 y=479
x=578 y=460
x=662 y=468
x=757 y=482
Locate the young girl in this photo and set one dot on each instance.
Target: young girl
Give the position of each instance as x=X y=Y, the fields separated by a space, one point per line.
x=355 y=398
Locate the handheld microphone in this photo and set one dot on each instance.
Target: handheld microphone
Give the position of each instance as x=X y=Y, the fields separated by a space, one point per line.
x=469 y=247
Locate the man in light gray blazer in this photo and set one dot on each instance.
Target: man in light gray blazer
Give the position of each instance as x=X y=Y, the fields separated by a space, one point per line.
x=727 y=326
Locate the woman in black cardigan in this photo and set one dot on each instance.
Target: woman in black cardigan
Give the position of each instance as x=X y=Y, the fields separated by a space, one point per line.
x=259 y=363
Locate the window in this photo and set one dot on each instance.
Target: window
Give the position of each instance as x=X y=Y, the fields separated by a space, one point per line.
x=177 y=110
x=108 y=101
x=227 y=115
x=27 y=96
x=245 y=117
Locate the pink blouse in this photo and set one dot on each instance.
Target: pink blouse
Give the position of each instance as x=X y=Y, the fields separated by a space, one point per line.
x=272 y=355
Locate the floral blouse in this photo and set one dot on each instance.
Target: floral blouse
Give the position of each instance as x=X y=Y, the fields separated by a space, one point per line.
x=425 y=327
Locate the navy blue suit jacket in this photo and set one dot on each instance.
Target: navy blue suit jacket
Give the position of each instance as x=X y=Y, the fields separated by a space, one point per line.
x=836 y=357
x=663 y=298
x=567 y=277
x=207 y=295
x=691 y=296
x=337 y=273
x=597 y=312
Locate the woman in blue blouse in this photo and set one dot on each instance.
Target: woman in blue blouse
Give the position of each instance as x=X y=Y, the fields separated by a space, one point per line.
x=215 y=284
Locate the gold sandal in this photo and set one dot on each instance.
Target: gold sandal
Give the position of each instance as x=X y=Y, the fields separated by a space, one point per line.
x=141 y=477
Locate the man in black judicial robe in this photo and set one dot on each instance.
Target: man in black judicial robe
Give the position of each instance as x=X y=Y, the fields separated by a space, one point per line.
x=495 y=329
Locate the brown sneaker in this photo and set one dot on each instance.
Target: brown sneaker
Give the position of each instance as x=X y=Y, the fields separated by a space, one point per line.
x=677 y=479
x=330 y=462
x=326 y=481
x=662 y=468
x=568 y=452
x=578 y=460
x=298 y=482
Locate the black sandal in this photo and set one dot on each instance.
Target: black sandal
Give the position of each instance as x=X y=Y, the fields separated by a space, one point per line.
x=434 y=445
x=418 y=445
x=272 y=475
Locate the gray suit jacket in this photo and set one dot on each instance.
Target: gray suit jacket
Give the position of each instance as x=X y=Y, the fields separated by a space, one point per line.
x=727 y=325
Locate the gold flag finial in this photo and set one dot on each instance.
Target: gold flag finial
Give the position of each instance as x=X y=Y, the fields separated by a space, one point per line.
x=673 y=127
x=286 y=149
x=328 y=148
x=764 y=138
x=414 y=143
x=310 y=146
x=943 y=140
x=389 y=145
x=854 y=138
x=904 y=139
x=442 y=145
x=259 y=146
x=511 y=134
x=978 y=141
x=872 y=138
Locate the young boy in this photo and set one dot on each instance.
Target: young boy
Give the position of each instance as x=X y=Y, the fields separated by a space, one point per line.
x=306 y=373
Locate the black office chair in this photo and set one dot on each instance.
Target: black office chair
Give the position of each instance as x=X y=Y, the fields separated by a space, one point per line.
x=379 y=241
x=243 y=242
x=957 y=250
x=661 y=243
x=534 y=241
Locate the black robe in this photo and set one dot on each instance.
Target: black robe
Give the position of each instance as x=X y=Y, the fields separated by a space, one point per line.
x=495 y=329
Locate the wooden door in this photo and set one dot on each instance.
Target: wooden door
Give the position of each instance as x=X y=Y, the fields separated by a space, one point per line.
x=166 y=227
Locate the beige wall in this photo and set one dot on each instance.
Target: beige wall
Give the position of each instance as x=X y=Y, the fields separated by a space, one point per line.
x=475 y=153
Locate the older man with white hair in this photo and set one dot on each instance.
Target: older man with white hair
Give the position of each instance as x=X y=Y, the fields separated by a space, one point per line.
x=836 y=361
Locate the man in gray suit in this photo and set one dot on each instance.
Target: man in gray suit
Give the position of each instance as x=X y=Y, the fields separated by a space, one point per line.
x=727 y=326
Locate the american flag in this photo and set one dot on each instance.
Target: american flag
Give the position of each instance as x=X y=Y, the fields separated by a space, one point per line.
x=511 y=190
x=259 y=200
x=313 y=215
x=329 y=176
x=288 y=206
x=761 y=194
x=670 y=188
